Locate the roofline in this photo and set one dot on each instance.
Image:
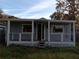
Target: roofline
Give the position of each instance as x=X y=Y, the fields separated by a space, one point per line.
x=17 y=19
x=68 y=21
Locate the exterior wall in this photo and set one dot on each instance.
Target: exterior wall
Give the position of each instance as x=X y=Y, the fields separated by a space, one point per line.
x=65 y=35
x=15 y=27
x=3 y=32
x=54 y=41
x=16 y=31
x=68 y=33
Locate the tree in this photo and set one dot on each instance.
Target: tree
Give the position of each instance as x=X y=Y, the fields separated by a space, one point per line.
x=69 y=6
x=72 y=6
x=1 y=11
x=5 y=16
x=58 y=15
x=60 y=5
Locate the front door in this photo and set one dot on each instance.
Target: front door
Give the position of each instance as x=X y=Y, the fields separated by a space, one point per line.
x=40 y=32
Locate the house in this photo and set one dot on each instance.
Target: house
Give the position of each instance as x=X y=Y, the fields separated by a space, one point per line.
x=38 y=32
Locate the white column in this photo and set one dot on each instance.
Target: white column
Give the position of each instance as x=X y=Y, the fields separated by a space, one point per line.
x=36 y=31
x=32 y=31
x=49 y=32
x=41 y=31
x=70 y=30
x=8 y=32
x=74 y=34
x=44 y=32
x=62 y=37
x=20 y=37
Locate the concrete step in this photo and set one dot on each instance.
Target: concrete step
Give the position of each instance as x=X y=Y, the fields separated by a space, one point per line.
x=43 y=46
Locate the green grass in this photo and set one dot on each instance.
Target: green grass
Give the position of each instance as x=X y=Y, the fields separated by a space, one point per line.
x=19 y=52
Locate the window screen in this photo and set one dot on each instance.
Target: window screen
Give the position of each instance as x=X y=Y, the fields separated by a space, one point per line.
x=27 y=28
x=56 y=28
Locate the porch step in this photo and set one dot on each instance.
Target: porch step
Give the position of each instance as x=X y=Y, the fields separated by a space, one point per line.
x=41 y=44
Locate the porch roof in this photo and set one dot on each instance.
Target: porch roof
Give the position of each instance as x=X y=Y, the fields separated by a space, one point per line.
x=41 y=19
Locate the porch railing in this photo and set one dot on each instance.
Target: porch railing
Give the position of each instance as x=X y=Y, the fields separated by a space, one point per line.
x=61 y=37
x=54 y=37
x=20 y=36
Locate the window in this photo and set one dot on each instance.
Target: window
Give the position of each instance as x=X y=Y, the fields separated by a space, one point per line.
x=27 y=28
x=57 y=28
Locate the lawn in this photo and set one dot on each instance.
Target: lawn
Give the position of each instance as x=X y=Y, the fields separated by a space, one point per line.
x=19 y=52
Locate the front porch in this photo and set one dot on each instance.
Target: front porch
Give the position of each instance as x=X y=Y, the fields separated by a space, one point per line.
x=62 y=38
x=58 y=39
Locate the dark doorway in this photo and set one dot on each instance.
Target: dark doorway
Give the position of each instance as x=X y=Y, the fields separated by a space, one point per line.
x=39 y=32
x=2 y=36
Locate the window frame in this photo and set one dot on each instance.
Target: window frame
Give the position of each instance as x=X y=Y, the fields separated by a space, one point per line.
x=23 y=27
x=58 y=26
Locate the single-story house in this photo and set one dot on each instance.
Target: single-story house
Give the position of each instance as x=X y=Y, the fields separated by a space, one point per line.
x=38 y=32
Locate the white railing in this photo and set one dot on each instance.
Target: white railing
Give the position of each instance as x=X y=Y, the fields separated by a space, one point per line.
x=20 y=36
x=54 y=37
x=60 y=37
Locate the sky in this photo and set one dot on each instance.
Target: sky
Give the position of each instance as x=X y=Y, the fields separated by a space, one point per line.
x=28 y=8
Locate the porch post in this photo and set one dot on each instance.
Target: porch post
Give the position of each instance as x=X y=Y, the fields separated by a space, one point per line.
x=32 y=31
x=74 y=34
x=36 y=31
x=44 y=32
x=48 y=32
x=8 y=32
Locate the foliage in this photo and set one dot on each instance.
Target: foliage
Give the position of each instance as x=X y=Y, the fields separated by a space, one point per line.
x=5 y=16
x=20 y=52
x=59 y=13
x=56 y=15
x=67 y=7
x=1 y=11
